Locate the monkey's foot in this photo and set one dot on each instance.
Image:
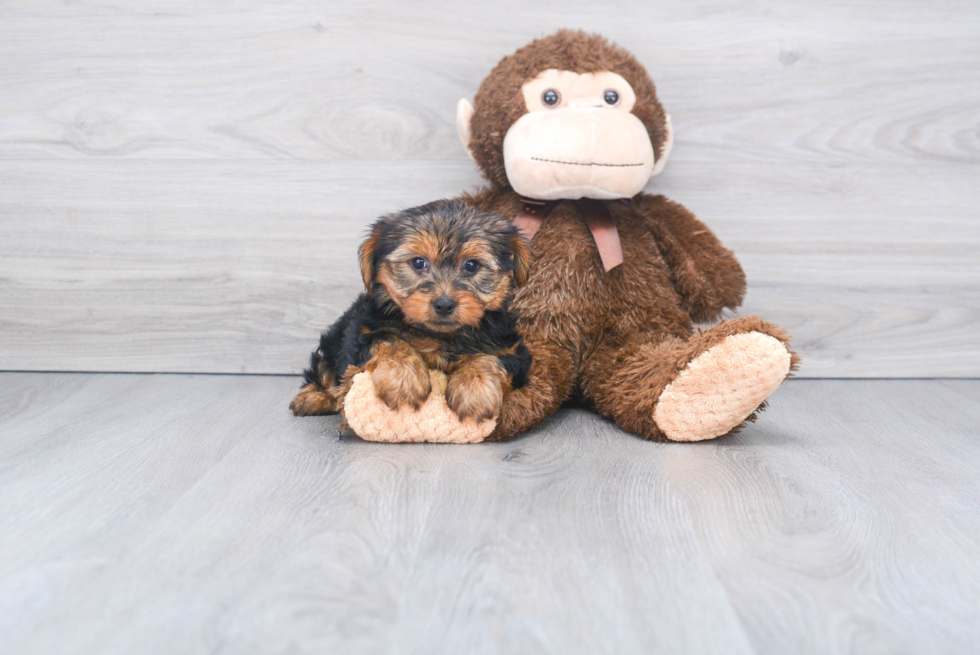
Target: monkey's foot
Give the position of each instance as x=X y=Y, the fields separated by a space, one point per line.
x=722 y=387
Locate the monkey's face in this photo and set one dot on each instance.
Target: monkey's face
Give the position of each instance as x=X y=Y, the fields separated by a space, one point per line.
x=578 y=139
x=567 y=116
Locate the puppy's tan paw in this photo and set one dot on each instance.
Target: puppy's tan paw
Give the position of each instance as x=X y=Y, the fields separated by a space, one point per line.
x=476 y=388
x=399 y=375
x=314 y=401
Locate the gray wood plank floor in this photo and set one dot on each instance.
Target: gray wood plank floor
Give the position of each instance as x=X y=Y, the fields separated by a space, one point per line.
x=192 y=514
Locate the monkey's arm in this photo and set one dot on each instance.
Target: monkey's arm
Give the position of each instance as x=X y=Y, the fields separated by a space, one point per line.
x=705 y=273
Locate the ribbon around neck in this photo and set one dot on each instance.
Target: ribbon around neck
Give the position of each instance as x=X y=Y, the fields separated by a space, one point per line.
x=596 y=215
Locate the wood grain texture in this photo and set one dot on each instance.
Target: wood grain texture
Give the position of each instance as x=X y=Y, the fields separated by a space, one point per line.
x=862 y=82
x=192 y=514
x=237 y=266
x=182 y=187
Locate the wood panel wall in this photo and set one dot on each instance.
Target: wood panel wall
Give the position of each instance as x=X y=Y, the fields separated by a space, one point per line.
x=183 y=184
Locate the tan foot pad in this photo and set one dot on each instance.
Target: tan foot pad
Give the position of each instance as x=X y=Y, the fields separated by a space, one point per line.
x=721 y=387
x=372 y=420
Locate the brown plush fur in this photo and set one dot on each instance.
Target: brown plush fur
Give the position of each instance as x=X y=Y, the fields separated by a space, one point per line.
x=620 y=336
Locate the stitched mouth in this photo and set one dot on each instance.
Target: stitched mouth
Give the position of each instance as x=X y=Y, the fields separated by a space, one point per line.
x=578 y=163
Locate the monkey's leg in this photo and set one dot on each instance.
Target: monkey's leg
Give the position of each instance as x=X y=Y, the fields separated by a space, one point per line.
x=691 y=390
x=549 y=382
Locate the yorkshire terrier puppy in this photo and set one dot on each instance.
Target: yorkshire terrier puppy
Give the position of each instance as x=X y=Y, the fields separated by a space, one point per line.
x=439 y=279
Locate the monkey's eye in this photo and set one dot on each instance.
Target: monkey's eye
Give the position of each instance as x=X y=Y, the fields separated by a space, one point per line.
x=550 y=98
x=420 y=263
x=611 y=97
x=471 y=266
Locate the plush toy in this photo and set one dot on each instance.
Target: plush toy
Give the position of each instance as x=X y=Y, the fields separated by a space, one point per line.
x=568 y=131
x=372 y=420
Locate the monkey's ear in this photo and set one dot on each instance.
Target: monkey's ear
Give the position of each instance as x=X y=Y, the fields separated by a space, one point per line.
x=658 y=165
x=522 y=258
x=366 y=256
x=464 y=114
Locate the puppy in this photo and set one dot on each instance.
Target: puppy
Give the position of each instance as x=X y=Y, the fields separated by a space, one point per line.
x=439 y=279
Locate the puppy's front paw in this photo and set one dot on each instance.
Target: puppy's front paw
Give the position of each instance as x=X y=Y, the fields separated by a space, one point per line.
x=476 y=388
x=400 y=376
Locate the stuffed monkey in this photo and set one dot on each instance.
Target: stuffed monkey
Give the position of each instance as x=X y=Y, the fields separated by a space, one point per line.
x=568 y=131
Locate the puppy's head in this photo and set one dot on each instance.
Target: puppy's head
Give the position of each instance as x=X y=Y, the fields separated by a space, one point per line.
x=444 y=264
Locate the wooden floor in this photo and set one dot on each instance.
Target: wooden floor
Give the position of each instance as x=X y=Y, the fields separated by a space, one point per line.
x=192 y=514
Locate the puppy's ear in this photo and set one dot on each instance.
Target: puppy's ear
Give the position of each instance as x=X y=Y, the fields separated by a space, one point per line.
x=366 y=255
x=522 y=258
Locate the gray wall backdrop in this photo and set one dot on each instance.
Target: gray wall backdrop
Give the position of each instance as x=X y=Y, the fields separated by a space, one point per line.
x=183 y=184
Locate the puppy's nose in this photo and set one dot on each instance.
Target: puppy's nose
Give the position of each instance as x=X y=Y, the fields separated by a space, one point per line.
x=444 y=306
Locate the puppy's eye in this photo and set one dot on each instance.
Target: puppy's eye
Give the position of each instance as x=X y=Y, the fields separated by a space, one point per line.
x=550 y=98
x=471 y=266
x=420 y=263
x=611 y=97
